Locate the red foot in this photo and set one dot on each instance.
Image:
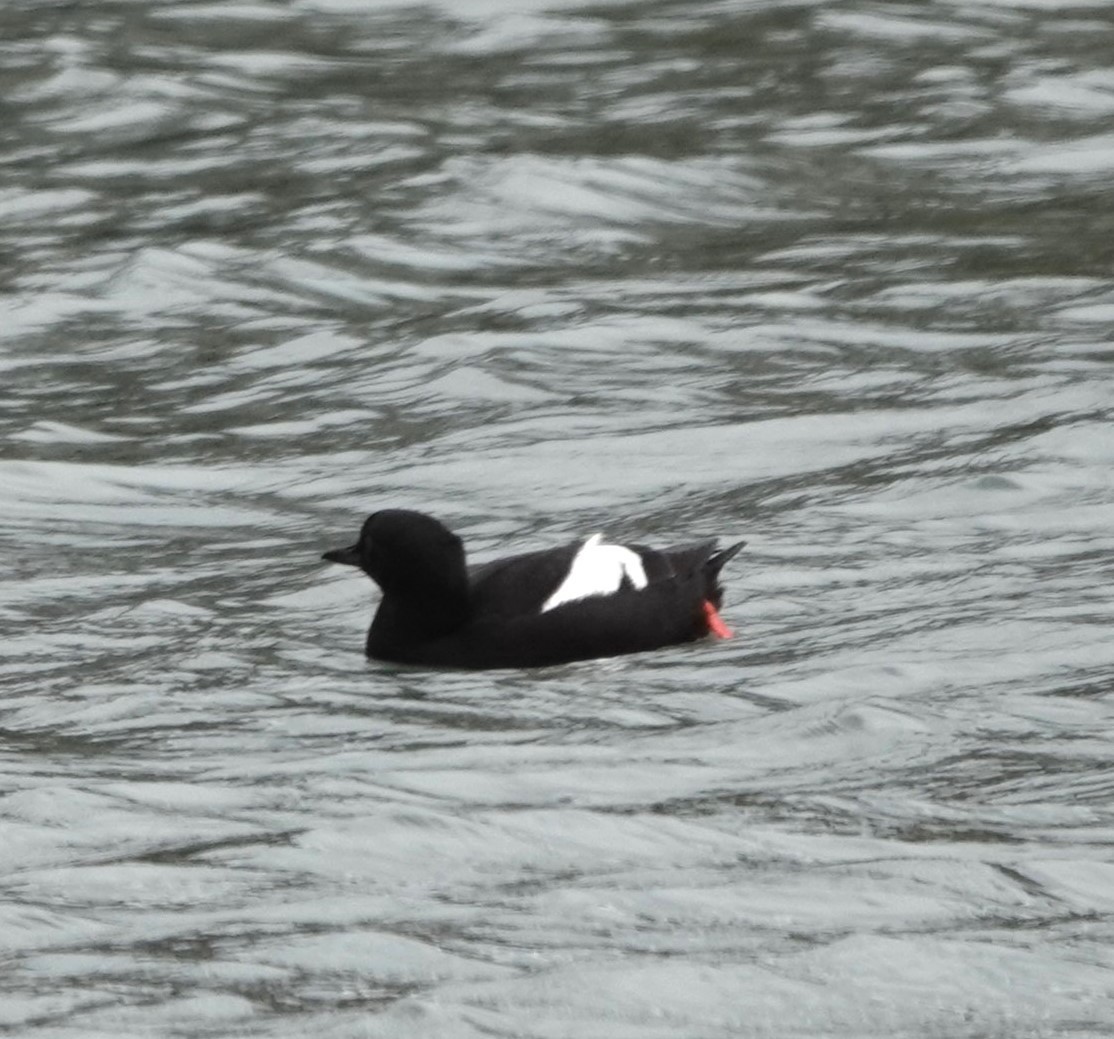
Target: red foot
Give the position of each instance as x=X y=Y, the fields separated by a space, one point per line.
x=715 y=622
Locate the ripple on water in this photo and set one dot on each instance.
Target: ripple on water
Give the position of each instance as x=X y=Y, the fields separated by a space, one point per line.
x=828 y=280
x=534 y=194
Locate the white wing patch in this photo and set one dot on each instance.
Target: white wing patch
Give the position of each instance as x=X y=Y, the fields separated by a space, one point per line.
x=597 y=569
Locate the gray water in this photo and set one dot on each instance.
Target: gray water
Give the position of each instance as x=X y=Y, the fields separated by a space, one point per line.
x=835 y=278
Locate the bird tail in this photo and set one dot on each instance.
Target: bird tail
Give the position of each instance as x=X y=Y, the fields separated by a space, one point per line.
x=714 y=564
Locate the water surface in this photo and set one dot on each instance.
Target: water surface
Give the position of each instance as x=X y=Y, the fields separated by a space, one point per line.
x=832 y=278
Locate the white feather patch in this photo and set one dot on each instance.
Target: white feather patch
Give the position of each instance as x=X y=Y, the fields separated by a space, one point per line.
x=597 y=569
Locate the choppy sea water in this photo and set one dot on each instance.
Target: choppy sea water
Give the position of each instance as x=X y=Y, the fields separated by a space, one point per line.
x=833 y=278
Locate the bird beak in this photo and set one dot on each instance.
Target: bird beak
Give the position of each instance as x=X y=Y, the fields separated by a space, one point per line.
x=350 y=556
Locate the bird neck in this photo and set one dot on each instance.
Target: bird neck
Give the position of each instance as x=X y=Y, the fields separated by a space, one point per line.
x=410 y=619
